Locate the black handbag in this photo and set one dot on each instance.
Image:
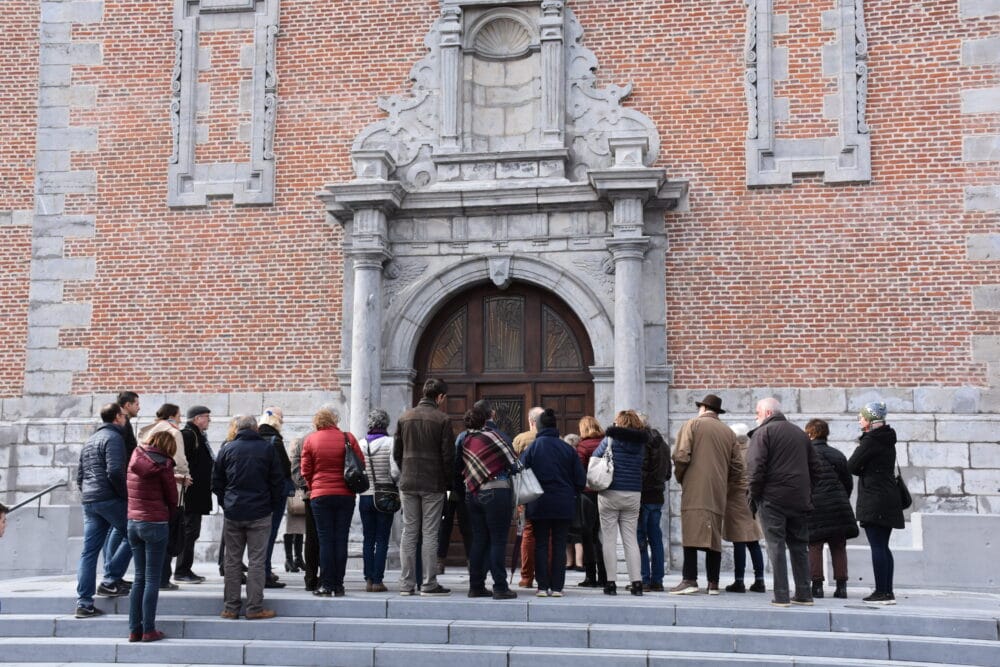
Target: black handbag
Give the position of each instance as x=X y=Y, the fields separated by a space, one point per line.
x=354 y=473
x=386 y=495
x=175 y=540
x=905 y=499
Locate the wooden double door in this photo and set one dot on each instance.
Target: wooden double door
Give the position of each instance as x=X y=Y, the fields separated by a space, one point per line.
x=518 y=347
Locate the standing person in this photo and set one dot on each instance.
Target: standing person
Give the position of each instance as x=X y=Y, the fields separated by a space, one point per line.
x=248 y=481
x=424 y=452
x=655 y=473
x=521 y=442
x=706 y=461
x=559 y=471
x=129 y=402
x=101 y=479
x=198 y=496
x=591 y=435
x=168 y=418
x=832 y=519
x=487 y=461
x=574 y=539
x=376 y=526
x=310 y=565
x=782 y=464
x=740 y=527
x=878 y=507
x=270 y=429
x=322 y=466
x=295 y=517
x=231 y=431
x=152 y=501
x=619 y=503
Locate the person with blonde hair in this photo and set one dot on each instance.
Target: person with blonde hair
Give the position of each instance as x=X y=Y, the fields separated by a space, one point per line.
x=269 y=428
x=619 y=504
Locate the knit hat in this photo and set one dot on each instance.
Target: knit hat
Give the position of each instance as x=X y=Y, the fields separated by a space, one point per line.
x=874 y=411
x=196 y=410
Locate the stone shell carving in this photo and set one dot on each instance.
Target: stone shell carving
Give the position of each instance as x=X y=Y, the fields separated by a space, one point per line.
x=503 y=39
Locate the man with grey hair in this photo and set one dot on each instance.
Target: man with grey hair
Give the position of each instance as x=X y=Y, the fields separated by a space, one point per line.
x=248 y=480
x=781 y=465
x=521 y=442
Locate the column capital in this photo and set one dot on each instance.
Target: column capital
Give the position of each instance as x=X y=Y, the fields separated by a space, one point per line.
x=368 y=257
x=627 y=183
x=630 y=248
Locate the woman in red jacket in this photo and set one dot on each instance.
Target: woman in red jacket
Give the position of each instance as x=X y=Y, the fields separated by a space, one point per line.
x=332 y=503
x=152 y=499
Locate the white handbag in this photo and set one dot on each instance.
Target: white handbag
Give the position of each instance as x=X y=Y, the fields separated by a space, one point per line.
x=601 y=471
x=526 y=487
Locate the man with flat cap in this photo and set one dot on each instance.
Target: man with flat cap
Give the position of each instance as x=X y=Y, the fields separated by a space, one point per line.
x=198 y=496
x=705 y=459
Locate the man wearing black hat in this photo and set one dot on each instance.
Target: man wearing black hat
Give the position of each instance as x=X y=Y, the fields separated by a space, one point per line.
x=706 y=458
x=198 y=496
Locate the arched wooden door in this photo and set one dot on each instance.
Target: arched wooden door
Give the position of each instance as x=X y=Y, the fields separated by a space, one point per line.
x=519 y=347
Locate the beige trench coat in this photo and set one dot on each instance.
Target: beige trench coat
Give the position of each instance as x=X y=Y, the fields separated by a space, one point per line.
x=181 y=469
x=705 y=460
x=739 y=524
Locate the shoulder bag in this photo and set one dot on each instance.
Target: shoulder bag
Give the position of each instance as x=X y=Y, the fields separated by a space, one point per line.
x=526 y=487
x=905 y=499
x=385 y=497
x=354 y=475
x=601 y=470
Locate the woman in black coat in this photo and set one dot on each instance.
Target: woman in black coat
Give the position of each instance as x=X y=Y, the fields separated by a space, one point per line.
x=879 y=508
x=832 y=519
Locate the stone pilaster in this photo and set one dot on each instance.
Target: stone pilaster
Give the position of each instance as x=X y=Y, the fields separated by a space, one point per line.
x=451 y=79
x=553 y=74
x=630 y=357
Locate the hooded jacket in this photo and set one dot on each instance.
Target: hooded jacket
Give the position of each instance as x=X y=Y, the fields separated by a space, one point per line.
x=874 y=462
x=152 y=491
x=628 y=448
x=101 y=474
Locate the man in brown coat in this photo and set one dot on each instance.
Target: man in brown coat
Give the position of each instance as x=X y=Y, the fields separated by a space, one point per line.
x=424 y=450
x=706 y=459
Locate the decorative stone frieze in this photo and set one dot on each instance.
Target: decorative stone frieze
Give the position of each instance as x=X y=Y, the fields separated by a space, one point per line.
x=190 y=183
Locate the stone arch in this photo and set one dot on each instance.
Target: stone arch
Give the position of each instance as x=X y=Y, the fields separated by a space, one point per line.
x=420 y=301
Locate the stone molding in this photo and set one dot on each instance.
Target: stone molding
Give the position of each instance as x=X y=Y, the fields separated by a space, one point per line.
x=845 y=158
x=190 y=183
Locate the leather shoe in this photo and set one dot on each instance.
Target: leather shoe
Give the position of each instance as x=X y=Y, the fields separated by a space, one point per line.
x=262 y=614
x=271 y=583
x=323 y=592
x=230 y=615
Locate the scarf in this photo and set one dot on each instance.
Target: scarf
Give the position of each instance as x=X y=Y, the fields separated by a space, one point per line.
x=485 y=455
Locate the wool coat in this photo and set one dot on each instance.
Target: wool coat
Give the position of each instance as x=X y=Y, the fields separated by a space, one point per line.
x=874 y=463
x=739 y=524
x=424 y=449
x=558 y=469
x=832 y=517
x=781 y=464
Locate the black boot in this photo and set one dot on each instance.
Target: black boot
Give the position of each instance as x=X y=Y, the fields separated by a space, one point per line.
x=635 y=588
x=817 y=588
x=841 y=590
x=611 y=589
x=590 y=578
x=289 y=560
x=299 y=561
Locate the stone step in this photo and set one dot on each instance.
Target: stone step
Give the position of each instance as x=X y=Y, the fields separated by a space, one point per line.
x=99 y=651
x=619 y=639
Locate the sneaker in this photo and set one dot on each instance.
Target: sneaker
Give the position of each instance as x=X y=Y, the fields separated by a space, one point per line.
x=758 y=586
x=804 y=601
x=541 y=593
x=436 y=590
x=713 y=588
x=188 y=578
x=407 y=591
x=260 y=615
x=686 y=587
x=169 y=586
x=114 y=590
x=153 y=636
x=504 y=595
x=88 y=612
x=480 y=593
x=556 y=594
x=229 y=615
x=781 y=603
x=880 y=598
x=736 y=587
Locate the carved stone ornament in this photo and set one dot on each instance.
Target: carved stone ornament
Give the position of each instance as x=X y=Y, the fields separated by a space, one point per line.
x=400 y=274
x=500 y=271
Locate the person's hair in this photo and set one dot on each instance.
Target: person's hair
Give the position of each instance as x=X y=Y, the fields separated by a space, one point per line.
x=3 y=509
x=485 y=405
x=125 y=397
x=475 y=418
x=435 y=387
x=590 y=428
x=378 y=420
x=533 y=414
x=628 y=419
x=547 y=419
x=769 y=404
x=817 y=429
x=231 y=429
x=325 y=418
x=571 y=439
x=110 y=412
x=243 y=422
x=272 y=417
x=645 y=419
x=168 y=410
x=164 y=441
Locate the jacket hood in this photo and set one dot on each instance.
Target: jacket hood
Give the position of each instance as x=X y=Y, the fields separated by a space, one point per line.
x=149 y=462
x=883 y=434
x=636 y=435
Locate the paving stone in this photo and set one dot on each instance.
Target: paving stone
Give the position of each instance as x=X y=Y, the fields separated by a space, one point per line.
x=57 y=650
x=182 y=651
x=554 y=657
x=313 y=653
x=671 y=659
x=625 y=613
x=553 y=635
x=26 y=625
x=767 y=619
x=809 y=643
x=280 y=628
x=671 y=638
x=872 y=621
x=946 y=651
x=404 y=655
x=377 y=631
x=422 y=608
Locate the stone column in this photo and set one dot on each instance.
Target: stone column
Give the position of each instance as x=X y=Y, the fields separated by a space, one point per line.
x=630 y=343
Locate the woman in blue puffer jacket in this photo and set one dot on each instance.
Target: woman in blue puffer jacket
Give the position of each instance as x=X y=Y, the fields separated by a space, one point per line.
x=619 y=504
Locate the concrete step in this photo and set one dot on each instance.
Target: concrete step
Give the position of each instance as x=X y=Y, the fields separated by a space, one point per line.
x=314 y=634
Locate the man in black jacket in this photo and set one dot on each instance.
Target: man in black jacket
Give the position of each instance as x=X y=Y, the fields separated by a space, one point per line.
x=781 y=463
x=656 y=471
x=198 y=496
x=248 y=481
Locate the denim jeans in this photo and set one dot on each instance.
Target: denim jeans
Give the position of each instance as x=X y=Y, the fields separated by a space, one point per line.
x=277 y=514
x=650 y=537
x=882 y=560
x=376 y=527
x=489 y=513
x=99 y=518
x=740 y=560
x=550 y=553
x=332 y=515
x=786 y=530
x=148 y=540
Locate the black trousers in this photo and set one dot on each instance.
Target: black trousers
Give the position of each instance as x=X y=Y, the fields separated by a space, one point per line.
x=311 y=550
x=192 y=531
x=452 y=509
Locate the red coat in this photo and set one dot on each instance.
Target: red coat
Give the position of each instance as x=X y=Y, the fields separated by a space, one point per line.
x=322 y=462
x=152 y=490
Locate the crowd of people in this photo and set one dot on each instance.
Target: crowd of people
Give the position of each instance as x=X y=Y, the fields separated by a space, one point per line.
x=144 y=498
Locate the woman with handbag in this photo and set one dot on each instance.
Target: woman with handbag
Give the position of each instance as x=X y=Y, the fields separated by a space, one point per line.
x=152 y=502
x=591 y=435
x=323 y=465
x=878 y=508
x=295 y=514
x=376 y=521
x=557 y=467
x=619 y=503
